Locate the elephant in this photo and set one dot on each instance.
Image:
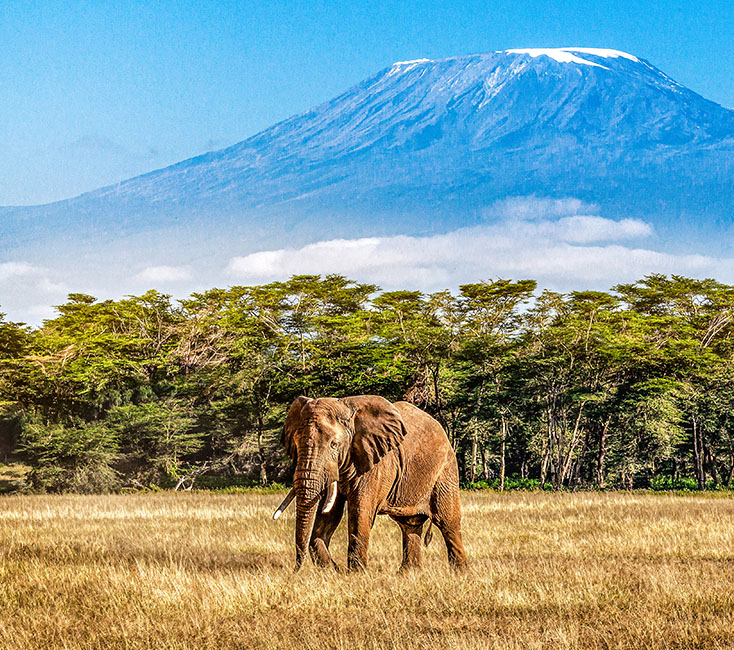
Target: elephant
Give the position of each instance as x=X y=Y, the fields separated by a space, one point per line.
x=376 y=457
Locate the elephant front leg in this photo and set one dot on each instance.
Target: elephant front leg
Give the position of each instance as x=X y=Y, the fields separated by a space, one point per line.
x=324 y=527
x=360 y=526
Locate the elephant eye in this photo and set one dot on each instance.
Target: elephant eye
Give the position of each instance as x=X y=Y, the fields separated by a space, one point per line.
x=333 y=444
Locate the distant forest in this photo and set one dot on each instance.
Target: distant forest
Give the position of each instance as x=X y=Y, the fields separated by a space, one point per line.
x=631 y=388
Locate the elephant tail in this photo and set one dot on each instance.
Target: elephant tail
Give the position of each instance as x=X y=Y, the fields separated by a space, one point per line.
x=429 y=534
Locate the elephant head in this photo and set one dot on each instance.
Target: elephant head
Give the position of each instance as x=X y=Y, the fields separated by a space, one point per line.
x=328 y=438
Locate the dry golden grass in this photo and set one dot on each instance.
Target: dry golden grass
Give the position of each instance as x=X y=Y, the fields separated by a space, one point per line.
x=205 y=570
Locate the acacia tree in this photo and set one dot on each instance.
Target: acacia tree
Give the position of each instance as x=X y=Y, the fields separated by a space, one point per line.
x=15 y=338
x=689 y=324
x=485 y=364
x=625 y=389
x=421 y=331
x=76 y=457
x=574 y=360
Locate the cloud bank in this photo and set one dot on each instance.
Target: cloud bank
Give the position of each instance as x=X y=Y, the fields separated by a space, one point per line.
x=28 y=291
x=563 y=244
x=164 y=274
x=526 y=239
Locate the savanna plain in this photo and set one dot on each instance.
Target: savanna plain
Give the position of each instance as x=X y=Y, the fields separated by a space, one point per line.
x=204 y=570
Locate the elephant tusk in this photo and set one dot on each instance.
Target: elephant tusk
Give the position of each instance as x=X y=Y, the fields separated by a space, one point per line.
x=286 y=502
x=330 y=497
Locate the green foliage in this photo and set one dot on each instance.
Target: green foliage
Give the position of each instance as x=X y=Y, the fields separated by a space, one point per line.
x=513 y=483
x=156 y=435
x=229 y=485
x=628 y=388
x=679 y=484
x=70 y=458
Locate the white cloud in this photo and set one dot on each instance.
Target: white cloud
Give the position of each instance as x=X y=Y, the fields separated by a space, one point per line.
x=17 y=276
x=17 y=270
x=570 y=252
x=564 y=244
x=33 y=288
x=582 y=230
x=164 y=274
x=354 y=253
x=533 y=207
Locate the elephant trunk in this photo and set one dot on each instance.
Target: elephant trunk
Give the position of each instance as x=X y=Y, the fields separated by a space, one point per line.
x=305 y=517
x=308 y=495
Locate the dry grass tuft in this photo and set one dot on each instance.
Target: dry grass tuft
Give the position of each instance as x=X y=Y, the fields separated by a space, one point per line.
x=205 y=570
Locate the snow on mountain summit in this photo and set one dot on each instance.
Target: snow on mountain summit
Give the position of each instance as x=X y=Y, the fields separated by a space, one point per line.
x=568 y=54
x=413 y=62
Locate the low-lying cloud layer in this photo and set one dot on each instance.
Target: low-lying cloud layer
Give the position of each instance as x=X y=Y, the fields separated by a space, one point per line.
x=27 y=291
x=563 y=244
x=566 y=252
x=164 y=274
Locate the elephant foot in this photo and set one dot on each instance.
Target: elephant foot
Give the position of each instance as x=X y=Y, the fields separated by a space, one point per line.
x=356 y=566
x=459 y=568
x=408 y=569
x=329 y=566
x=354 y=570
x=320 y=555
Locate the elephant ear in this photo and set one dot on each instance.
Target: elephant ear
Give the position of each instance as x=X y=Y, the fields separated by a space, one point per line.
x=378 y=429
x=292 y=421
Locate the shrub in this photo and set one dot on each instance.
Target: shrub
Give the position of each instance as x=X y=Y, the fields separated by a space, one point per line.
x=680 y=484
x=70 y=458
x=511 y=483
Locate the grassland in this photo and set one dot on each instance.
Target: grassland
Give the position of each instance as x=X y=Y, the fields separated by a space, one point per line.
x=201 y=570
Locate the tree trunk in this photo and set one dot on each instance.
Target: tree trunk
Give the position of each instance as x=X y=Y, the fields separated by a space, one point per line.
x=558 y=468
x=474 y=458
x=576 y=474
x=462 y=464
x=600 y=481
x=503 y=447
x=546 y=458
x=568 y=460
x=697 y=455
x=263 y=471
x=261 y=450
x=709 y=458
x=437 y=396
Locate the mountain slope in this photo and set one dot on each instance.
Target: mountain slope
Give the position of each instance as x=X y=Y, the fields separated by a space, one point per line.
x=429 y=145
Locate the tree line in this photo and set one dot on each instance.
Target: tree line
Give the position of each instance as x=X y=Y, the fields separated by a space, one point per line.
x=628 y=388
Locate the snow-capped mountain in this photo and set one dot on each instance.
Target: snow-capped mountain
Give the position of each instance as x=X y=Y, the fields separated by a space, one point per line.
x=426 y=146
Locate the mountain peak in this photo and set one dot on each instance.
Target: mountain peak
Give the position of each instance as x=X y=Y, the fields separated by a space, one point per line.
x=431 y=144
x=570 y=54
x=560 y=54
x=413 y=62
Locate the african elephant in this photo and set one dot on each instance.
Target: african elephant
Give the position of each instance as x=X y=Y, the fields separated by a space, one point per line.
x=379 y=458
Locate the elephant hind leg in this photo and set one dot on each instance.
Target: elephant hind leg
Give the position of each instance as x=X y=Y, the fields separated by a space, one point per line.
x=446 y=514
x=323 y=530
x=412 y=528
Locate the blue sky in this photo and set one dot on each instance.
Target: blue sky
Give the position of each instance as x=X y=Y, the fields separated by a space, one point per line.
x=94 y=92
